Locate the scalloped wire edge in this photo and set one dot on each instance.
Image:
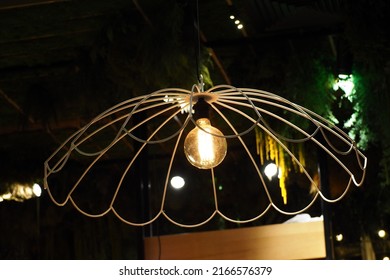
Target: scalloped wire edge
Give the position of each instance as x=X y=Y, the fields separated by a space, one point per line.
x=309 y=137
x=232 y=90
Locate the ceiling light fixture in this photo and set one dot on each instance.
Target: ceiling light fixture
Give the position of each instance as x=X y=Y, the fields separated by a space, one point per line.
x=165 y=117
x=256 y=109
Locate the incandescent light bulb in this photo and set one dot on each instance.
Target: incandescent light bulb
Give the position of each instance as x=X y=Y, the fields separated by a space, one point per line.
x=202 y=148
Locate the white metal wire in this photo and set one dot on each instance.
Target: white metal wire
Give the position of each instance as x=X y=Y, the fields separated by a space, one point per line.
x=173 y=104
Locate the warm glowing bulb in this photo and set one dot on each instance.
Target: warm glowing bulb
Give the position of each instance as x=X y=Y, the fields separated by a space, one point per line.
x=381 y=233
x=202 y=148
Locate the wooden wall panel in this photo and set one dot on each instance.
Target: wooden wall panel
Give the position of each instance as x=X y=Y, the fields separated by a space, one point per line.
x=271 y=242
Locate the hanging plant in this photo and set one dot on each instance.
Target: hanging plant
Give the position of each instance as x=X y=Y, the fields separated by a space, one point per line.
x=269 y=150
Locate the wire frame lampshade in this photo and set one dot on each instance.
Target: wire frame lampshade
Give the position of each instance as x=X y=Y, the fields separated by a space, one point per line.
x=146 y=135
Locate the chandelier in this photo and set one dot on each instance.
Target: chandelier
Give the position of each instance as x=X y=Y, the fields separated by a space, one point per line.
x=208 y=128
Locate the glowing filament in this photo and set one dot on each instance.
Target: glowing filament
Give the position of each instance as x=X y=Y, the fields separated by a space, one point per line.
x=205 y=147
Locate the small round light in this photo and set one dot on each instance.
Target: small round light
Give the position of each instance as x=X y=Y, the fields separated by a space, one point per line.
x=237 y=21
x=37 y=190
x=381 y=233
x=240 y=26
x=343 y=76
x=271 y=170
x=339 y=237
x=177 y=182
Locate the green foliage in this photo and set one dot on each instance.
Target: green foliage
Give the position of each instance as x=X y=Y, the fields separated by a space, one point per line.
x=308 y=82
x=370 y=46
x=302 y=74
x=368 y=37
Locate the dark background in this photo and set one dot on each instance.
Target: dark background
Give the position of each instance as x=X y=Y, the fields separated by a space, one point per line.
x=63 y=62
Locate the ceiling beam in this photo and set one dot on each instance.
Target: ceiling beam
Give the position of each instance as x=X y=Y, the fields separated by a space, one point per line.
x=15 y=105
